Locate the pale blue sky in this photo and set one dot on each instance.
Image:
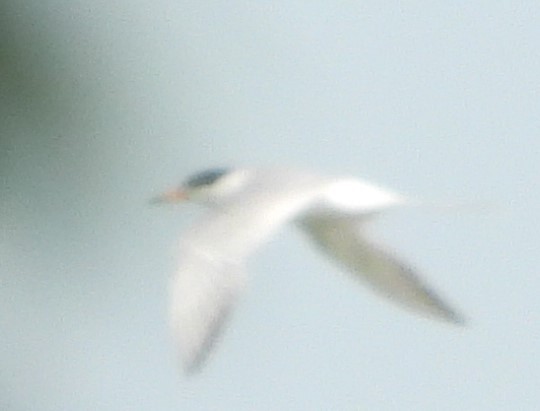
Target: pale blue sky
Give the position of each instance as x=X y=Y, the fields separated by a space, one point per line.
x=103 y=105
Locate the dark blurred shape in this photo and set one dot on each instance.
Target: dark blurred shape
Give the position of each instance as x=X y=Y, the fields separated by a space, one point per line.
x=27 y=77
x=39 y=84
x=47 y=95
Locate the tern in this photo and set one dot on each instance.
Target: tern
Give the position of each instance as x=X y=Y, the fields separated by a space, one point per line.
x=246 y=206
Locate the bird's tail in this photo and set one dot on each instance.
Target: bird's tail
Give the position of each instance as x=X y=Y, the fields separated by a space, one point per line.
x=468 y=206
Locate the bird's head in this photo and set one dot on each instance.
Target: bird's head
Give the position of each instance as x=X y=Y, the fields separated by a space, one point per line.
x=209 y=187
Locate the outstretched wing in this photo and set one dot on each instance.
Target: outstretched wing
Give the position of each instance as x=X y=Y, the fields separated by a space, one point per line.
x=212 y=255
x=342 y=238
x=203 y=292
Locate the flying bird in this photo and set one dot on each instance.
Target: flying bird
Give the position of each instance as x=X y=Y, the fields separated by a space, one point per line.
x=245 y=207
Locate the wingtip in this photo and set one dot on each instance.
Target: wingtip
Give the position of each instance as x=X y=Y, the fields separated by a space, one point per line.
x=453 y=318
x=191 y=370
x=458 y=321
x=190 y=366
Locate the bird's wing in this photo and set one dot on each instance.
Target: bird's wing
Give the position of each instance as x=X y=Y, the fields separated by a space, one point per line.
x=203 y=292
x=212 y=253
x=343 y=239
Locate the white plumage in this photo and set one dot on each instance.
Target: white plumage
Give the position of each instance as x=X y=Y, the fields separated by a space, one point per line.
x=246 y=207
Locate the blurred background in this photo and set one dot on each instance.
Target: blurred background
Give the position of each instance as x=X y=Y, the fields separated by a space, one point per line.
x=104 y=104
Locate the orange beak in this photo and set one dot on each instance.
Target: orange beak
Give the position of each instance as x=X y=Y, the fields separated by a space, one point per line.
x=173 y=196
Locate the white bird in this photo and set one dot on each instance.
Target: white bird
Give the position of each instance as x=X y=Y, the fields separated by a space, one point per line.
x=246 y=207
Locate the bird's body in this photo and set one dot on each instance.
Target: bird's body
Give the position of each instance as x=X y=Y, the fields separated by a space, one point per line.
x=246 y=207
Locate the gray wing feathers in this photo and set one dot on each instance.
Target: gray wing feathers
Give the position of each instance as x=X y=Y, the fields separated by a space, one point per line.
x=343 y=239
x=204 y=291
